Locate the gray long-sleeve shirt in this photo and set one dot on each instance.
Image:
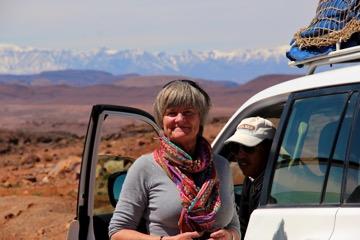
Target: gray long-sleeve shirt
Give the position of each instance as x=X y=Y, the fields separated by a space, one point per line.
x=150 y=194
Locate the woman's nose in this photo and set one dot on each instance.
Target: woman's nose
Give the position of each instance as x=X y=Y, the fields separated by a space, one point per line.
x=179 y=117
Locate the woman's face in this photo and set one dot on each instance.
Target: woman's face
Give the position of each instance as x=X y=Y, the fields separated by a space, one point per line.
x=181 y=125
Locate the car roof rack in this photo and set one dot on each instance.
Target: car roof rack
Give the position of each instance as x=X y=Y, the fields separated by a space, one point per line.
x=345 y=55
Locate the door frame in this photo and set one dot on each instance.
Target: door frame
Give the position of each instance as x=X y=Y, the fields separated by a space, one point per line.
x=83 y=222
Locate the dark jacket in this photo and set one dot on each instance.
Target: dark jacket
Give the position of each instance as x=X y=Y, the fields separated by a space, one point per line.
x=249 y=200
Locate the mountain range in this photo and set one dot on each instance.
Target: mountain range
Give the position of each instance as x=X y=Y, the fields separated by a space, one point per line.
x=240 y=66
x=132 y=91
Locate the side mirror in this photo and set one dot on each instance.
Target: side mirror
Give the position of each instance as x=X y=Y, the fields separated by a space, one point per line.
x=115 y=183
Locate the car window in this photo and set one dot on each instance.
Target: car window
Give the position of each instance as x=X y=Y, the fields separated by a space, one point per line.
x=309 y=165
x=352 y=192
x=122 y=141
x=339 y=155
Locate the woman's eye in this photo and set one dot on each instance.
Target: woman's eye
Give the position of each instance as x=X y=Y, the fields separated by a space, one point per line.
x=171 y=114
x=188 y=113
x=185 y=113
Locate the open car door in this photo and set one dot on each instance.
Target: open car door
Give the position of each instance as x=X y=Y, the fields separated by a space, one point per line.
x=116 y=137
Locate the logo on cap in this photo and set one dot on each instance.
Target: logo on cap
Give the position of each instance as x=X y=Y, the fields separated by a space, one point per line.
x=246 y=126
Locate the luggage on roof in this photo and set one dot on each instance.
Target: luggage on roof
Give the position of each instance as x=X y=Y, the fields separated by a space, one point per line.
x=335 y=26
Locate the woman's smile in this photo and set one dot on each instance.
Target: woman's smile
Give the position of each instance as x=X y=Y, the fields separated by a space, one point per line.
x=182 y=129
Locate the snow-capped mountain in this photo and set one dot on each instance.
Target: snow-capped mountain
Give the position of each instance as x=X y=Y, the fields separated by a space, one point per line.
x=239 y=66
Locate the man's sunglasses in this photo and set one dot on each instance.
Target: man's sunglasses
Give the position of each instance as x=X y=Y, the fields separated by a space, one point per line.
x=236 y=147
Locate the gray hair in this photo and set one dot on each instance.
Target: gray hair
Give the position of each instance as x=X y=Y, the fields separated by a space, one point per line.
x=184 y=93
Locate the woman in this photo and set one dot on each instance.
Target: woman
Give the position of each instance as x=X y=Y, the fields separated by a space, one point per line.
x=181 y=190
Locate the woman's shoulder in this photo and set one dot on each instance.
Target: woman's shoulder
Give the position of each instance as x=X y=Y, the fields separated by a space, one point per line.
x=142 y=169
x=144 y=161
x=223 y=170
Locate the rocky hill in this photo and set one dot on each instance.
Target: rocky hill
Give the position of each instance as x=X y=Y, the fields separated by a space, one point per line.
x=67 y=108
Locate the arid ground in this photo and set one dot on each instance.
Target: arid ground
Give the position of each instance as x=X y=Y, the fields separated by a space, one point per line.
x=39 y=172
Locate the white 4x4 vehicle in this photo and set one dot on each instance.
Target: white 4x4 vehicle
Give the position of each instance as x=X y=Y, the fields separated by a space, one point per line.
x=311 y=185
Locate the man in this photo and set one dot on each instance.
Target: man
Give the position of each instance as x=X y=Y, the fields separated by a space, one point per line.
x=249 y=147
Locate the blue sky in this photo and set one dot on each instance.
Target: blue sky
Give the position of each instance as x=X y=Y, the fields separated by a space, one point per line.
x=153 y=25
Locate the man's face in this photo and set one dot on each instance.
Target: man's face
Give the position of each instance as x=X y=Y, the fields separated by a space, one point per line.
x=251 y=160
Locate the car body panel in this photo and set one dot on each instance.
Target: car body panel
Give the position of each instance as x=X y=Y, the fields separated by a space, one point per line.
x=73 y=231
x=291 y=223
x=346 y=226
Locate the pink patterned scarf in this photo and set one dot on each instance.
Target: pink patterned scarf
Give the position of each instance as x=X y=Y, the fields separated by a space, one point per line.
x=200 y=201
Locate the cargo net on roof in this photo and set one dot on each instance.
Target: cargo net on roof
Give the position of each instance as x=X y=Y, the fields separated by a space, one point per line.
x=336 y=22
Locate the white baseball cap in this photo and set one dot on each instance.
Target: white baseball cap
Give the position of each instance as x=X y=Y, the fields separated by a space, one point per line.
x=252 y=131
